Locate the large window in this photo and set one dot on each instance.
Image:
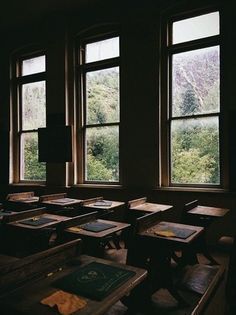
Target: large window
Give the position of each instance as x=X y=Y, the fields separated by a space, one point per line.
x=99 y=90
x=193 y=116
x=30 y=109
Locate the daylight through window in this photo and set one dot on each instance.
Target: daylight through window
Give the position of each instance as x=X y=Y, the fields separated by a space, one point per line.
x=32 y=115
x=101 y=105
x=194 y=100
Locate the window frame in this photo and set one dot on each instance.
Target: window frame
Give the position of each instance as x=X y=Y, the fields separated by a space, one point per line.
x=168 y=50
x=82 y=69
x=17 y=82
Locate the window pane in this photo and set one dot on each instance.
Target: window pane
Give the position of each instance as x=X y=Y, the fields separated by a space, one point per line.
x=101 y=50
x=196 y=28
x=33 y=105
x=102 y=158
x=195 y=151
x=196 y=82
x=31 y=169
x=102 y=96
x=33 y=65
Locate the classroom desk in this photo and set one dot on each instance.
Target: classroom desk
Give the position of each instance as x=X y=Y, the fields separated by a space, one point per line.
x=26 y=300
x=29 y=200
x=151 y=207
x=62 y=202
x=151 y=233
x=205 y=216
x=158 y=250
x=96 y=241
x=210 y=213
x=6 y=213
x=57 y=218
x=115 y=210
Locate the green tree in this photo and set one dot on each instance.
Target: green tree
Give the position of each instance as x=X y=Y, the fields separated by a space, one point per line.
x=33 y=170
x=190 y=104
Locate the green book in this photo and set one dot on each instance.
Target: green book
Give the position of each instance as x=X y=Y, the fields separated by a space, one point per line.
x=95 y=280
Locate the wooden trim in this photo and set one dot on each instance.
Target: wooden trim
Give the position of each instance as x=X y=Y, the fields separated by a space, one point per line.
x=136 y=202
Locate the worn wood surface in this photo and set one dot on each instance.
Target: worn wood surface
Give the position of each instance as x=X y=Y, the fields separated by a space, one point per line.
x=15 y=216
x=52 y=197
x=26 y=300
x=151 y=207
x=20 y=271
x=57 y=218
x=136 y=202
x=150 y=232
x=119 y=226
x=21 y=195
x=52 y=200
x=209 y=211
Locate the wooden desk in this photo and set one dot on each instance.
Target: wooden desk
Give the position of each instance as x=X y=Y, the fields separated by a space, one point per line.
x=57 y=218
x=21 y=201
x=140 y=207
x=7 y=213
x=150 y=233
x=62 y=202
x=114 y=211
x=98 y=235
x=26 y=299
x=94 y=242
x=212 y=212
x=24 y=197
x=151 y=207
x=203 y=216
x=155 y=252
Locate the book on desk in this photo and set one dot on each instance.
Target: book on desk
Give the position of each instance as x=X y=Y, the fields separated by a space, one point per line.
x=95 y=280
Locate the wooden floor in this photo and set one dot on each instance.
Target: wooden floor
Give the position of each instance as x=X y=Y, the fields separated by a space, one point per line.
x=164 y=303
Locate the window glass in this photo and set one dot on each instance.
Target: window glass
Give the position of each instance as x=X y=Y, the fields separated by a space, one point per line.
x=33 y=65
x=101 y=50
x=33 y=105
x=102 y=96
x=195 y=151
x=195 y=28
x=195 y=82
x=31 y=169
x=102 y=158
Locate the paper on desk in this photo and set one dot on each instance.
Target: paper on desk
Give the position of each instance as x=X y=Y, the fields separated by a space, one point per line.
x=74 y=229
x=165 y=233
x=65 y=302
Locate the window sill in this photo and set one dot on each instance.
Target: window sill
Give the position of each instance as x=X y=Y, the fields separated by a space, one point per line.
x=106 y=186
x=28 y=184
x=193 y=189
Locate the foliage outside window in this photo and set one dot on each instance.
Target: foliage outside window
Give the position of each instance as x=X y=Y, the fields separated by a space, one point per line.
x=31 y=88
x=194 y=100
x=99 y=70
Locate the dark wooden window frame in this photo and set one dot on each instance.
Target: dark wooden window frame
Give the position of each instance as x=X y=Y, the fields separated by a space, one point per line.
x=167 y=51
x=17 y=81
x=81 y=69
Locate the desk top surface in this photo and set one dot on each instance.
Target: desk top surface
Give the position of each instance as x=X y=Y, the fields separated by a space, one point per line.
x=62 y=202
x=209 y=211
x=114 y=204
x=118 y=226
x=57 y=218
x=151 y=207
x=34 y=199
x=6 y=213
x=26 y=300
x=151 y=232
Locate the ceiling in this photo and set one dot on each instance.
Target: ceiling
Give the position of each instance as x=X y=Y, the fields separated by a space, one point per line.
x=15 y=12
